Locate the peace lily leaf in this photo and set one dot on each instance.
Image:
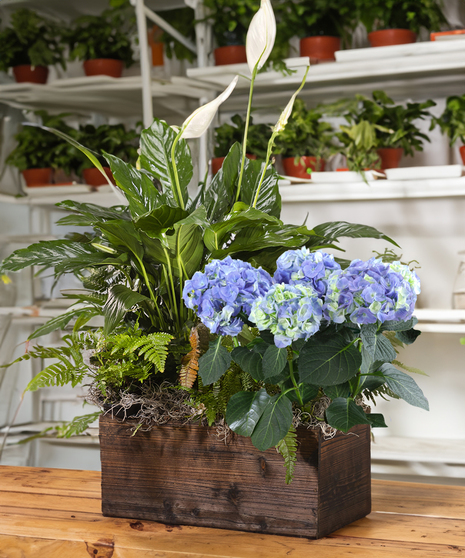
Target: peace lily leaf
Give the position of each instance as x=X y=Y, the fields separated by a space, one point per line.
x=199 y=121
x=331 y=231
x=87 y=214
x=245 y=409
x=274 y=423
x=274 y=361
x=219 y=197
x=124 y=235
x=328 y=361
x=343 y=414
x=120 y=300
x=141 y=194
x=156 y=144
x=249 y=361
x=261 y=36
x=58 y=322
x=269 y=199
x=404 y=386
x=159 y=219
x=376 y=420
x=214 y=363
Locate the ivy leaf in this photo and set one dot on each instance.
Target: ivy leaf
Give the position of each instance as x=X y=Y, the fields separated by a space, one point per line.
x=343 y=414
x=404 y=386
x=328 y=361
x=245 y=409
x=274 y=423
x=214 y=363
x=274 y=361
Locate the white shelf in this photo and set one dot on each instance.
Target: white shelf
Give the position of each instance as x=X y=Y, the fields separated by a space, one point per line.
x=51 y=195
x=376 y=190
x=432 y=320
x=434 y=70
x=390 y=448
x=106 y=95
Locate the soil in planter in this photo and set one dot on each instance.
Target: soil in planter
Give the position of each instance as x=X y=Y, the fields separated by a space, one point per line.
x=389 y=37
x=103 y=67
x=320 y=48
x=30 y=74
x=234 y=54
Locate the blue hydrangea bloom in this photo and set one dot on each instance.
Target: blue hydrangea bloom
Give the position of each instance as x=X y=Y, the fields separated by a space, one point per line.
x=289 y=311
x=224 y=289
x=303 y=266
x=372 y=291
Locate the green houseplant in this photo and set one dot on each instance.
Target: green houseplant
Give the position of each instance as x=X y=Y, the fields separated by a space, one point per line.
x=110 y=138
x=103 y=42
x=29 y=45
x=38 y=152
x=179 y=281
x=228 y=134
x=305 y=142
x=451 y=121
x=323 y=27
x=399 y=21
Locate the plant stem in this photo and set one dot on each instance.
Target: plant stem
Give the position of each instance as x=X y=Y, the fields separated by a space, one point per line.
x=173 y=290
x=244 y=143
x=177 y=193
x=291 y=373
x=268 y=156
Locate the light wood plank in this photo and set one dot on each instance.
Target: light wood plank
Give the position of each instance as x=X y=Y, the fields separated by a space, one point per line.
x=66 y=504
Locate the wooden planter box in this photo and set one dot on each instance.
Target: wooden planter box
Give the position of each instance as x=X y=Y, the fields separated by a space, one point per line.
x=184 y=475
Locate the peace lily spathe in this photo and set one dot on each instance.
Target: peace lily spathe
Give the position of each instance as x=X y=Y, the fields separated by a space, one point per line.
x=199 y=121
x=261 y=36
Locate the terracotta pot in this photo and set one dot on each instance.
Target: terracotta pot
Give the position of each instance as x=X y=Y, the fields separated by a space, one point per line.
x=388 y=37
x=234 y=54
x=93 y=177
x=217 y=162
x=390 y=157
x=30 y=74
x=103 y=67
x=320 y=48
x=38 y=177
x=462 y=153
x=299 y=170
x=157 y=54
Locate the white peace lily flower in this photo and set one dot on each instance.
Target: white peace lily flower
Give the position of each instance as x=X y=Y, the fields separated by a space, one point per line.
x=199 y=121
x=283 y=119
x=261 y=36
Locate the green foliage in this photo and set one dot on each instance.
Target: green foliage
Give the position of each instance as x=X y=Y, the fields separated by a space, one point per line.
x=359 y=146
x=401 y=14
x=287 y=447
x=305 y=134
x=107 y=35
x=76 y=426
x=30 y=39
x=227 y=135
x=37 y=148
x=183 y=20
x=452 y=120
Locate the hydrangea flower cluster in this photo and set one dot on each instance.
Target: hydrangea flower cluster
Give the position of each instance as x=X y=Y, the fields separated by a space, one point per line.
x=289 y=311
x=303 y=266
x=367 y=292
x=224 y=289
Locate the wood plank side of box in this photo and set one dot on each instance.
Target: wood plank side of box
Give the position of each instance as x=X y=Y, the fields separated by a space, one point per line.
x=185 y=475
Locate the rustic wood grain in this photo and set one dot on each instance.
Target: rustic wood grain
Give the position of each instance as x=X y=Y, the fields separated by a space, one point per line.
x=187 y=476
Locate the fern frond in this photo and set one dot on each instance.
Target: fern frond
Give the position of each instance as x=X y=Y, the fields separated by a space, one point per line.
x=76 y=426
x=409 y=368
x=152 y=348
x=198 y=340
x=395 y=342
x=383 y=391
x=287 y=447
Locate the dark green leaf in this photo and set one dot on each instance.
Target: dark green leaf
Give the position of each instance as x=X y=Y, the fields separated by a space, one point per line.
x=343 y=414
x=331 y=231
x=87 y=214
x=375 y=347
x=124 y=235
x=120 y=300
x=408 y=337
x=398 y=326
x=328 y=361
x=159 y=219
x=59 y=322
x=273 y=424
x=376 y=420
x=245 y=409
x=274 y=361
x=214 y=363
x=341 y=390
x=307 y=392
x=249 y=361
x=269 y=199
x=404 y=386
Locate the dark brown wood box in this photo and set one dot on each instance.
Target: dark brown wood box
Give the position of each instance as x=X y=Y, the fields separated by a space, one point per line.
x=185 y=475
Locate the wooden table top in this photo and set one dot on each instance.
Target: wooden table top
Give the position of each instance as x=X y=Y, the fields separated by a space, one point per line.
x=55 y=513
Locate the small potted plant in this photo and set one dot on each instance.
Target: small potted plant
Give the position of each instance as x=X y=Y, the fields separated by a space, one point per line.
x=452 y=121
x=395 y=130
x=29 y=45
x=358 y=144
x=399 y=21
x=103 y=42
x=38 y=152
x=112 y=139
x=218 y=319
x=305 y=143
x=182 y=19
x=228 y=134
x=323 y=26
